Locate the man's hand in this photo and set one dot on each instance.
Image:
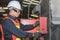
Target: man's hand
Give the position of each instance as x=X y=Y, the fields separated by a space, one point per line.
x=30 y=35
x=37 y=34
x=37 y=24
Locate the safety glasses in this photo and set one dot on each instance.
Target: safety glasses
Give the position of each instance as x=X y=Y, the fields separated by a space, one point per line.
x=16 y=10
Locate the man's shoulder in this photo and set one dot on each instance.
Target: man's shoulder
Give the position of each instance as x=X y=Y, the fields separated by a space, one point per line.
x=6 y=20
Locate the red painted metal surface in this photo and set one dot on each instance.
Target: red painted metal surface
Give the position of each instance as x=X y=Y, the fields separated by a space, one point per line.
x=43 y=24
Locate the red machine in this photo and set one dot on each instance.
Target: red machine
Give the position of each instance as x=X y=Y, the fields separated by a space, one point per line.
x=43 y=25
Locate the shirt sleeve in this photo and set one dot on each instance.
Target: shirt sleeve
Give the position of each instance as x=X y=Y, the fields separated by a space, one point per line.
x=26 y=27
x=8 y=25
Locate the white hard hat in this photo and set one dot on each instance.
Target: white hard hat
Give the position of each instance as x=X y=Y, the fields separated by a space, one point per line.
x=14 y=4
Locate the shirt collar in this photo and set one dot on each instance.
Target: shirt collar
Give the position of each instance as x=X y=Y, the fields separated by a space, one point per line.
x=12 y=17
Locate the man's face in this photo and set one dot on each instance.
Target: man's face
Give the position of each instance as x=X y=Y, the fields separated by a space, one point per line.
x=16 y=13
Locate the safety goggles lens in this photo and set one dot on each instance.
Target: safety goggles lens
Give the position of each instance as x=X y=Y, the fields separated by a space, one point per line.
x=17 y=10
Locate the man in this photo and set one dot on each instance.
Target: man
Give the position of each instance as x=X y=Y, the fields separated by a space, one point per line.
x=12 y=29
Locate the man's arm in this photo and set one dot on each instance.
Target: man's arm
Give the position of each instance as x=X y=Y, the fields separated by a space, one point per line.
x=30 y=27
x=7 y=24
x=27 y=27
